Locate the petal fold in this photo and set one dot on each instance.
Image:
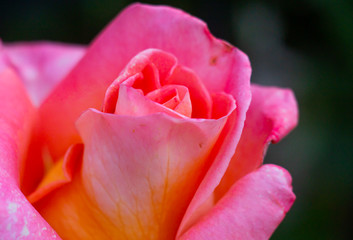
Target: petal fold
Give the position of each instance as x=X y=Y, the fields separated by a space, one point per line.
x=60 y=174
x=251 y=209
x=273 y=113
x=133 y=103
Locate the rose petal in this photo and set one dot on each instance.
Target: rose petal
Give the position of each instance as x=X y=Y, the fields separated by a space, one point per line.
x=41 y=65
x=251 y=209
x=238 y=85
x=200 y=98
x=138 y=176
x=132 y=102
x=272 y=114
x=175 y=97
x=148 y=71
x=60 y=174
x=137 y=28
x=223 y=103
x=17 y=216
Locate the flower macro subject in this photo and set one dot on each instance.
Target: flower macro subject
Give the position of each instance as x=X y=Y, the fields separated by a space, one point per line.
x=152 y=132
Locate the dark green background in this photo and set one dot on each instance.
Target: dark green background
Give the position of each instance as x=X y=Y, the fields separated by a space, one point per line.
x=303 y=45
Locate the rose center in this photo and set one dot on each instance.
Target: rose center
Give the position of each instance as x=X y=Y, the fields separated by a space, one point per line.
x=154 y=79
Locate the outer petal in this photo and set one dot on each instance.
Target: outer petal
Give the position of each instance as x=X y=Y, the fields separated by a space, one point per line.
x=238 y=85
x=18 y=219
x=252 y=209
x=138 y=176
x=135 y=29
x=273 y=113
x=41 y=65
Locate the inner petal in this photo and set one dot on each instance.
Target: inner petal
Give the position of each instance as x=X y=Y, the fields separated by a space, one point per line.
x=132 y=102
x=149 y=81
x=199 y=95
x=175 y=97
x=144 y=71
x=152 y=71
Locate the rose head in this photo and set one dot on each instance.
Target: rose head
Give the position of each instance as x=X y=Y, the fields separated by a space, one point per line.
x=153 y=132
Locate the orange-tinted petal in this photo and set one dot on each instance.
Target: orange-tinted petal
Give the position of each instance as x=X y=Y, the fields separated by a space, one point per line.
x=138 y=176
x=60 y=174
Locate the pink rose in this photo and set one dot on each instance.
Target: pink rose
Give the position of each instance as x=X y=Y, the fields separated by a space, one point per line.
x=153 y=132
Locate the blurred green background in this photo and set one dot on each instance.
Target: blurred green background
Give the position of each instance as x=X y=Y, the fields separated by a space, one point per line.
x=303 y=45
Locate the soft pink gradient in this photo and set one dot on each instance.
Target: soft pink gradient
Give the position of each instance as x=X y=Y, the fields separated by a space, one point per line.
x=170 y=149
x=273 y=113
x=18 y=218
x=137 y=28
x=251 y=209
x=41 y=65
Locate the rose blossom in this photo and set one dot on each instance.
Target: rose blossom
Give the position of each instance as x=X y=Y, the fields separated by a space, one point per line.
x=153 y=132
